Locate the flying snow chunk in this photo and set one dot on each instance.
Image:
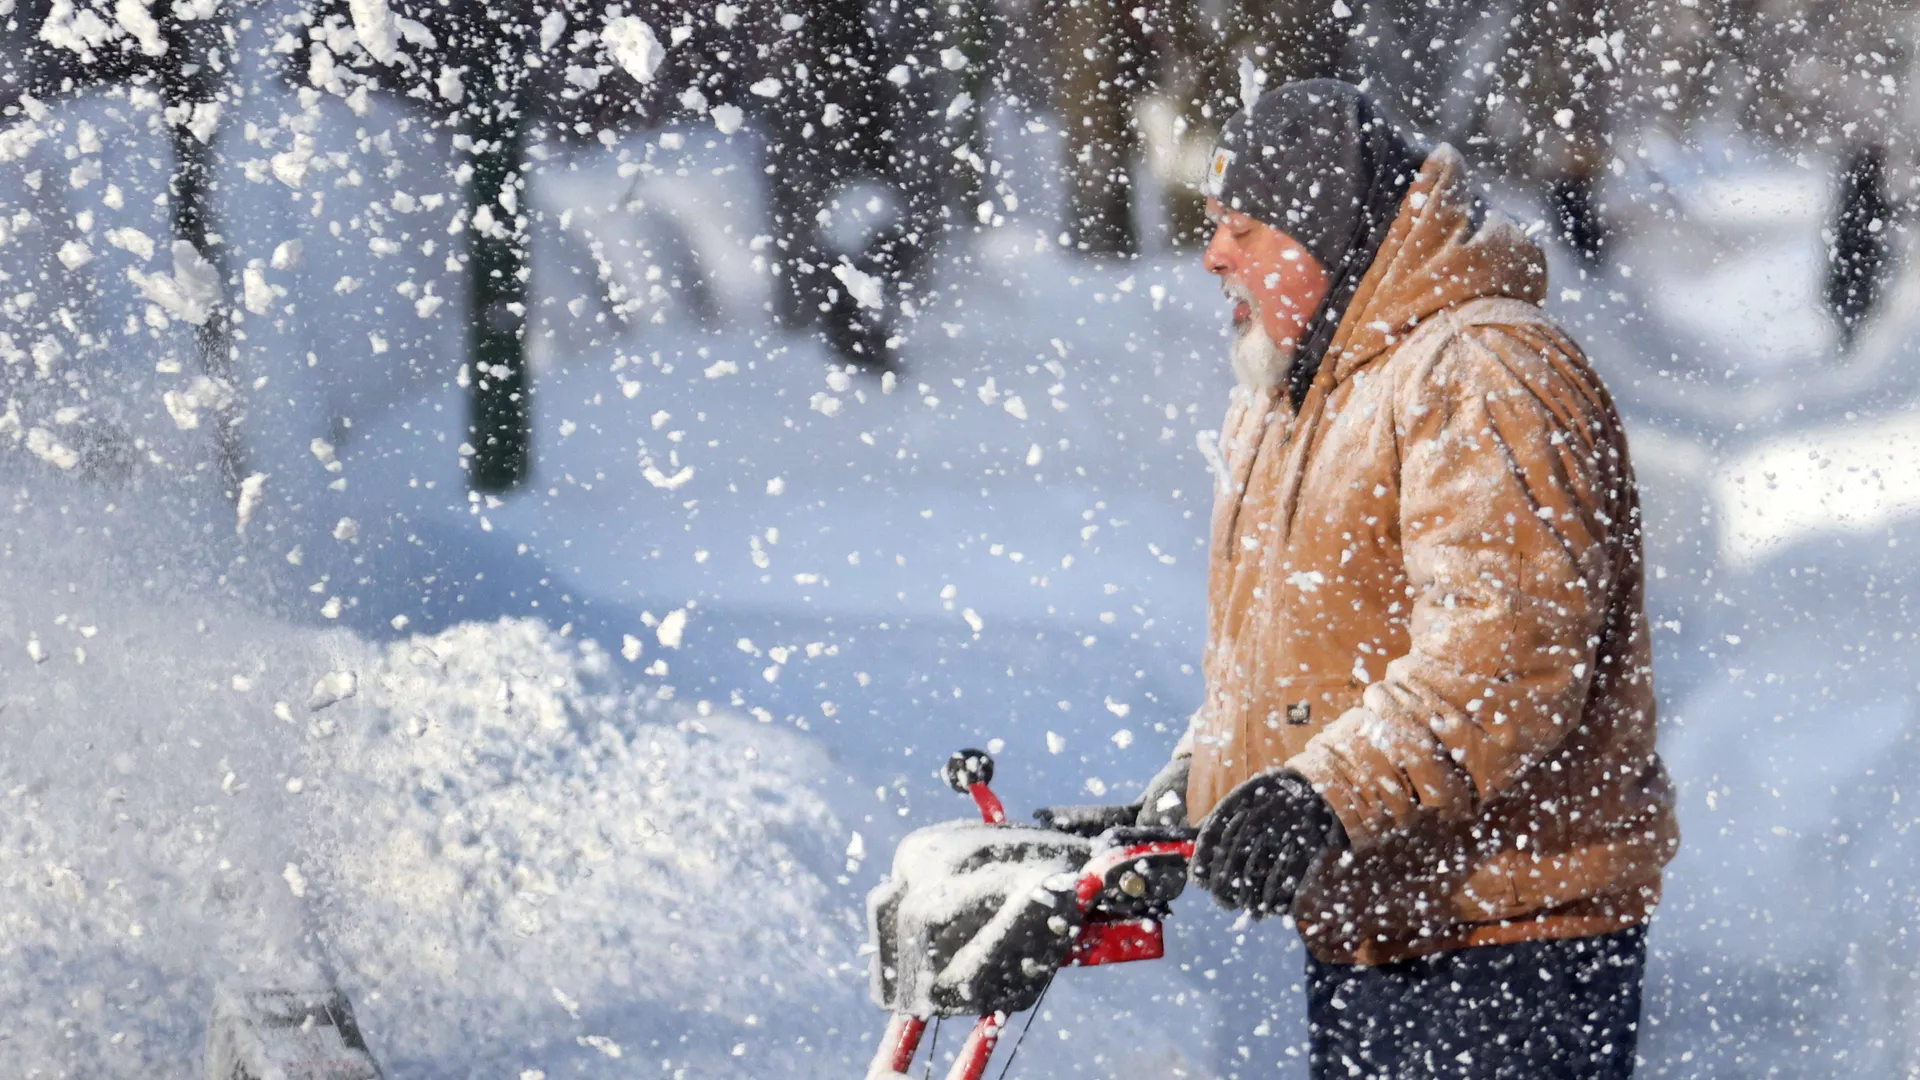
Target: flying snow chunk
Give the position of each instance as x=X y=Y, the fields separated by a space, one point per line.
x=961 y=102
x=251 y=491
x=378 y=30
x=449 y=85
x=728 y=118
x=633 y=46
x=139 y=23
x=661 y=480
x=346 y=529
x=768 y=87
x=671 y=627
x=205 y=120
x=551 y=28
x=1056 y=743
x=17 y=141
x=332 y=688
x=191 y=293
x=630 y=647
x=865 y=289
x=1563 y=118
x=1249 y=84
x=183 y=407
x=74 y=254
x=296 y=881
x=131 y=240
x=256 y=293
x=953 y=59
x=48 y=449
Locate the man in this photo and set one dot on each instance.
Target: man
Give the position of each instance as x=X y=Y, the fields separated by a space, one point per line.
x=1428 y=735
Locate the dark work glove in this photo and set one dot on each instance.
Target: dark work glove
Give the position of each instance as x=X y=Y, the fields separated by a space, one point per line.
x=1261 y=840
x=1165 y=800
x=1164 y=803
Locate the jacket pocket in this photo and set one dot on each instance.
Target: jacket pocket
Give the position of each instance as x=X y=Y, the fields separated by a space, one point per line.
x=1518 y=883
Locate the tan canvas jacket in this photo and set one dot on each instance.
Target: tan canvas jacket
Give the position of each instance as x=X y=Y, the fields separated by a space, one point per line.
x=1425 y=595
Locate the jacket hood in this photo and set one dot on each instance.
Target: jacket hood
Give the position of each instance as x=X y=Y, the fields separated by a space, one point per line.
x=1444 y=249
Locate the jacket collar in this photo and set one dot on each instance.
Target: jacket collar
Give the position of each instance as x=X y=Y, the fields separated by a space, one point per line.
x=1443 y=249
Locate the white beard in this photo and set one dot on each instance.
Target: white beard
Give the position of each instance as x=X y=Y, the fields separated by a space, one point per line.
x=1258 y=363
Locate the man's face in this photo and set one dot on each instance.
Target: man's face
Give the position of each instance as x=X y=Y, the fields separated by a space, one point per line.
x=1274 y=282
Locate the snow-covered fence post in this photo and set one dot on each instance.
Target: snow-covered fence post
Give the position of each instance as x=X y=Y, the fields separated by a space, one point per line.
x=272 y=1033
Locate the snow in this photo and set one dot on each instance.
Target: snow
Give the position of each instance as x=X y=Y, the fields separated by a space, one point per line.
x=252 y=489
x=1857 y=477
x=957 y=874
x=634 y=47
x=866 y=290
x=973 y=552
x=534 y=827
x=490 y=821
x=727 y=118
x=135 y=18
x=192 y=290
x=380 y=30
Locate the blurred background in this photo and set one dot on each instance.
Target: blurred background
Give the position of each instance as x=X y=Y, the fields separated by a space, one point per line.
x=508 y=504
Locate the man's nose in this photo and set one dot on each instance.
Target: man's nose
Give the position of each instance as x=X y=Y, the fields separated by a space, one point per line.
x=1217 y=258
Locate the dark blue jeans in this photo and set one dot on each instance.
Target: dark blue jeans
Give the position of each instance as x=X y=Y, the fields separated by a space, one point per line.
x=1539 y=1010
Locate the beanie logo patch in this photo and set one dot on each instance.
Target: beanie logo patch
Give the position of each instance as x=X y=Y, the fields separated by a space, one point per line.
x=1217 y=171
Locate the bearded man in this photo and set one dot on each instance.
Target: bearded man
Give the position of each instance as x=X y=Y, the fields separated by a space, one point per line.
x=1428 y=732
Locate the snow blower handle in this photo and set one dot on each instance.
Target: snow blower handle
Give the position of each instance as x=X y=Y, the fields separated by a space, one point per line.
x=969 y=772
x=1120 y=898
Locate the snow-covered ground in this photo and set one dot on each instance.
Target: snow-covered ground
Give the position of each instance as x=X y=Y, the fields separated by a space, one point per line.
x=626 y=749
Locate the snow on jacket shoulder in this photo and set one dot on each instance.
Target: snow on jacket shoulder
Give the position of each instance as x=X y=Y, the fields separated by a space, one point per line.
x=1426 y=595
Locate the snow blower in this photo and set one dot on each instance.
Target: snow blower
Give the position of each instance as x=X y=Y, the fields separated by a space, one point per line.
x=977 y=917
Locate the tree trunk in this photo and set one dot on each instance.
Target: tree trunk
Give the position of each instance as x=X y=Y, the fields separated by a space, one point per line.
x=1859 y=258
x=1104 y=68
x=193 y=76
x=497 y=272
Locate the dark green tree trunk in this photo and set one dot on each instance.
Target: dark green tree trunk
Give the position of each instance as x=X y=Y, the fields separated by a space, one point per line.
x=497 y=272
x=196 y=75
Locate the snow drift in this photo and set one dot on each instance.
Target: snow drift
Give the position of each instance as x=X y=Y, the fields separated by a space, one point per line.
x=509 y=860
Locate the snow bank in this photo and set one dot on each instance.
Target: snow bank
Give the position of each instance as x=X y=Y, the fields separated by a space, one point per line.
x=515 y=850
x=501 y=854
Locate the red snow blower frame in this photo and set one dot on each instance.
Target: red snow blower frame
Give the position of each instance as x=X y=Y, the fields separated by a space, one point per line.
x=1110 y=911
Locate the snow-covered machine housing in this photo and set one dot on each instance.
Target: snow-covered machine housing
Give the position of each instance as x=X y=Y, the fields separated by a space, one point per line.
x=974 y=918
